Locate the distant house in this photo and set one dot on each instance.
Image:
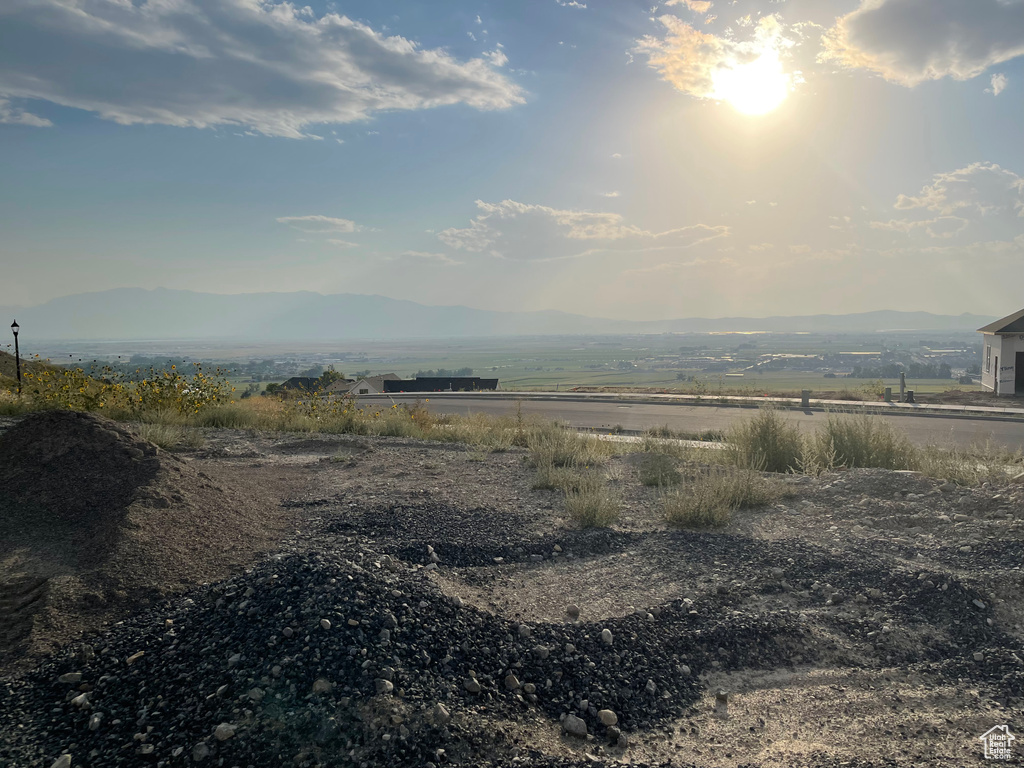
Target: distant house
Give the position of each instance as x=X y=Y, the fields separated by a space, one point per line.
x=1002 y=357
x=369 y=385
x=441 y=384
x=303 y=383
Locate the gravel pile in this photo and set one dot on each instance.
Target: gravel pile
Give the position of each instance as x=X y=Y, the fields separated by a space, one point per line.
x=96 y=522
x=339 y=659
x=69 y=468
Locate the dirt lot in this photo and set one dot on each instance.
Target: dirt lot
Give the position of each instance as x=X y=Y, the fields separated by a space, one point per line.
x=870 y=618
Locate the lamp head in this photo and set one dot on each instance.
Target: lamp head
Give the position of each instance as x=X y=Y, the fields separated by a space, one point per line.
x=15 y=327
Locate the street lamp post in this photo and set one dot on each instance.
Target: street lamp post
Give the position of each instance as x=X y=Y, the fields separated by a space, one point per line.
x=17 y=354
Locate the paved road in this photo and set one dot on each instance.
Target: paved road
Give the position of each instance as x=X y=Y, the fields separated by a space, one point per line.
x=921 y=429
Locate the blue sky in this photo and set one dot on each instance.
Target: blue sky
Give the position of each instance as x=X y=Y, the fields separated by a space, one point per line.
x=623 y=159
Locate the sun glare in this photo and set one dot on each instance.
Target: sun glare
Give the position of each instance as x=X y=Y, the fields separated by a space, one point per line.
x=755 y=88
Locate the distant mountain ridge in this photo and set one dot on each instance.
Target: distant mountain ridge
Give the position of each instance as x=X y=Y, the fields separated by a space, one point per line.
x=162 y=313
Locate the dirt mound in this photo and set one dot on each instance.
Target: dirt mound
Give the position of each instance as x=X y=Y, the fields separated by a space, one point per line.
x=66 y=467
x=99 y=521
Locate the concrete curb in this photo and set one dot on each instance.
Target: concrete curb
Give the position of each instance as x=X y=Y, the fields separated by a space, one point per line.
x=895 y=409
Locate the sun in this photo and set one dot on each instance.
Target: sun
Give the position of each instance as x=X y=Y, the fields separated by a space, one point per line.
x=754 y=88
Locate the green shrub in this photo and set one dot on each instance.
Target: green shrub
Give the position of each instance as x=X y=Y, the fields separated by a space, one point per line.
x=767 y=442
x=589 y=503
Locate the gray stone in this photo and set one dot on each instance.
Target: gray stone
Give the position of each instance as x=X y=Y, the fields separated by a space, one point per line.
x=64 y=761
x=287 y=631
x=472 y=685
x=607 y=717
x=390 y=622
x=511 y=682
x=322 y=685
x=606 y=636
x=651 y=688
x=94 y=720
x=71 y=678
x=541 y=651
x=573 y=611
x=440 y=715
x=574 y=726
x=224 y=731
x=524 y=630
x=721 y=703
x=200 y=752
x=325 y=623
x=383 y=686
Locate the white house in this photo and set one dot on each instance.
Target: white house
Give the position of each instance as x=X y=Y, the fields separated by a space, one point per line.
x=1002 y=359
x=371 y=385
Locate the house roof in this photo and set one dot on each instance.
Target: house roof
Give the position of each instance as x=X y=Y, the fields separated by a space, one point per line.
x=1010 y=324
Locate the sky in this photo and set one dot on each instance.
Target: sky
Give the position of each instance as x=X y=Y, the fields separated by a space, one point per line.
x=635 y=160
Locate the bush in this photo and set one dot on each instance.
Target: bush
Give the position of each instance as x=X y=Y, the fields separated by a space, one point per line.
x=552 y=444
x=170 y=437
x=589 y=502
x=709 y=498
x=658 y=469
x=766 y=442
x=858 y=441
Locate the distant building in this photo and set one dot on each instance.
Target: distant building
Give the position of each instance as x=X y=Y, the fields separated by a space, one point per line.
x=1002 y=357
x=441 y=384
x=372 y=385
x=304 y=383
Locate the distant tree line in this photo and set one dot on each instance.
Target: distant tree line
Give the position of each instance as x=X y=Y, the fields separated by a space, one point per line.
x=444 y=373
x=912 y=370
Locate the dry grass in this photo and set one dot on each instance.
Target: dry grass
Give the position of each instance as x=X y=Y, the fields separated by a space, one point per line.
x=659 y=470
x=767 y=442
x=972 y=466
x=589 y=502
x=708 y=498
x=170 y=437
x=858 y=441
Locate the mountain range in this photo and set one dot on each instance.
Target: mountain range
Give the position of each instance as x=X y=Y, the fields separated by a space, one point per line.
x=136 y=313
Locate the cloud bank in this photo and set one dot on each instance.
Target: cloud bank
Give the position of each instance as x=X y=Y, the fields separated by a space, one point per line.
x=529 y=232
x=911 y=41
x=273 y=67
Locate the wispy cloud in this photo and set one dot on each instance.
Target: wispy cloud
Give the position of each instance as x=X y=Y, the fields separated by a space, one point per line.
x=271 y=66
x=980 y=188
x=910 y=41
x=999 y=83
x=529 y=232
x=426 y=257
x=697 y=6
x=317 y=224
x=15 y=116
x=943 y=227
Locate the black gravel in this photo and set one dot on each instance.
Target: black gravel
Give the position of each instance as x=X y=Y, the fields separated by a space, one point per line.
x=222 y=654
